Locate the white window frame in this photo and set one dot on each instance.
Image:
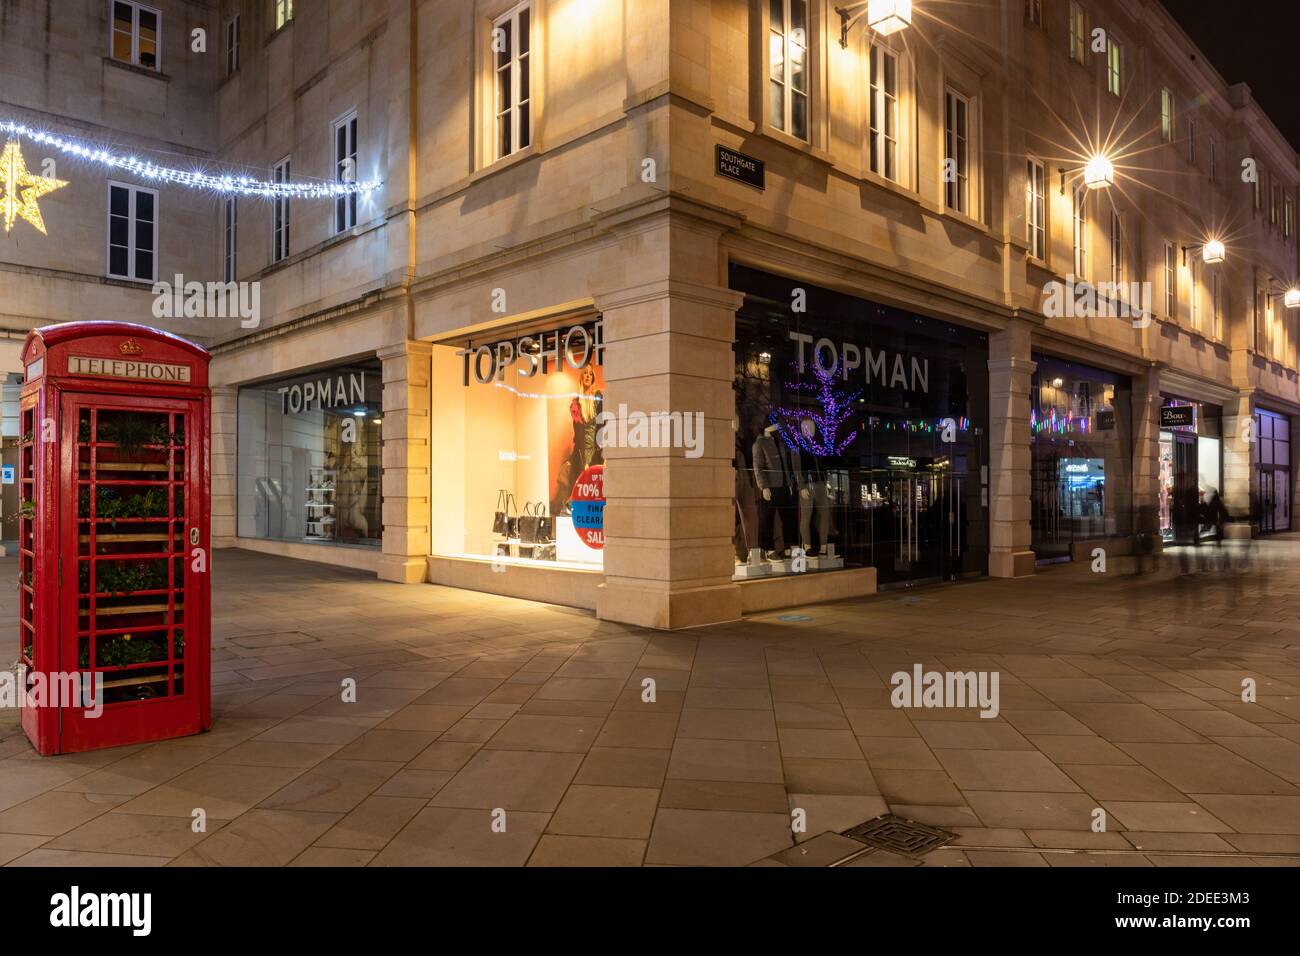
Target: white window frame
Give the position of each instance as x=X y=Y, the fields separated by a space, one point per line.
x=1216 y=306
x=1114 y=66
x=1034 y=12
x=518 y=63
x=1272 y=201
x=1116 y=248
x=132 y=221
x=346 y=204
x=1078 y=33
x=1191 y=141
x=882 y=144
x=1168 y=115
x=1288 y=216
x=136 y=7
x=280 y=213
x=785 y=36
x=229 y=239
x=957 y=147
x=1214 y=160
x=1036 y=207
x=1171 y=281
x=1270 y=328
x=232 y=45
x=283 y=13
x=1079 y=203
x=1194 y=292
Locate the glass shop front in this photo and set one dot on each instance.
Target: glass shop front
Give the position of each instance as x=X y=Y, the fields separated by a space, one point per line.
x=309 y=457
x=861 y=436
x=1081 y=443
x=1272 y=453
x=517 y=465
x=1191 y=468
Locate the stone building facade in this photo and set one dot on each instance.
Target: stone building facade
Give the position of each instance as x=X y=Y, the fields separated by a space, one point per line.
x=755 y=218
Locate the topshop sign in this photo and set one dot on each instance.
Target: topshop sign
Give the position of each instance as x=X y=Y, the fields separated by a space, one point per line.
x=577 y=347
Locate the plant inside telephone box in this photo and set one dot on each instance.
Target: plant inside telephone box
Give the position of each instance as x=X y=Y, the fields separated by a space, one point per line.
x=131 y=432
x=114 y=506
x=121 y=578
x=125 y=650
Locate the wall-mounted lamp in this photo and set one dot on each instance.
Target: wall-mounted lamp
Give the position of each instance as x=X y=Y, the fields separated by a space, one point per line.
x=883 y=16
x=1212 y=251
x=1098 y=173
x=1290 y=298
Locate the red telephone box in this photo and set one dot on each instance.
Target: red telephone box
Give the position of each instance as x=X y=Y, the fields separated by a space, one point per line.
x=114 y=536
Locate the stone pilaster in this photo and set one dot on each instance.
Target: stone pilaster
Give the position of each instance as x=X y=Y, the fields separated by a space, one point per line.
x=669 y=518
x=222 y=469
x=1010 y=378
x=406 y=508
x=1146 y=451
x=1240 y=434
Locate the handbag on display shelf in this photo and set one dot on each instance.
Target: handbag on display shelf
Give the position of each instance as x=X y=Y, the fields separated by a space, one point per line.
x=529 y=523
x=545 y=523
x=503 y=522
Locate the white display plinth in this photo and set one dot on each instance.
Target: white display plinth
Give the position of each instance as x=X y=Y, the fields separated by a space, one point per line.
x=571 y=548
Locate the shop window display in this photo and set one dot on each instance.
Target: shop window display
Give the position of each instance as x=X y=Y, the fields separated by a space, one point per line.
x=860 y=436
x=1082 y=452
x=1191 y=468
x=518 y=472
x=1272 y=454
x=309 y=457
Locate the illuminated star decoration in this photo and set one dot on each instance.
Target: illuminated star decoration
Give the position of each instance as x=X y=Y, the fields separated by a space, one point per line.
x=21 y=189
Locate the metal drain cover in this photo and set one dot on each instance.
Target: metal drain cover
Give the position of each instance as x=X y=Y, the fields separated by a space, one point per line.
x=278 y=639
x=900 y=835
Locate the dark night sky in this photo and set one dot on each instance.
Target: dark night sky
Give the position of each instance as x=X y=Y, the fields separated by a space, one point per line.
x=1256 y=42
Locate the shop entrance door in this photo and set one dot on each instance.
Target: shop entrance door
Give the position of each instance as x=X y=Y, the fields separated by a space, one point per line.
x=929 y=532
x=1184 y=498
x=1281 y=499
x=1274 y=501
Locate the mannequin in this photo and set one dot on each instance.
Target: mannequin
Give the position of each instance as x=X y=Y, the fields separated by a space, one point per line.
x=776 y=474
x=814 y=498
x=746 y=532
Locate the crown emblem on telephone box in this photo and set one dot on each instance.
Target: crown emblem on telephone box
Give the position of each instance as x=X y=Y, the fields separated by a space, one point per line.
x=131 y=347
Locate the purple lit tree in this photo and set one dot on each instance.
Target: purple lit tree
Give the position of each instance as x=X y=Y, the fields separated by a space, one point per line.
x=836 y=407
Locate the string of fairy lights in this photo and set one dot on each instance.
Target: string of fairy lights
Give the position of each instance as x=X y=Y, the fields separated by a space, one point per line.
x=225 y=184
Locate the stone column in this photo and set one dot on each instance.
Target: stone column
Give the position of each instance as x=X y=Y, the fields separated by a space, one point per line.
x=1240 y=435
x=669 y=518
x=222 y=469
x=406 y=508
x=1010 y=379
x=1146 y=455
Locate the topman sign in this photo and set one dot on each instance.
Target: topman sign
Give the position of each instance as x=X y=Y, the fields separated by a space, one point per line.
x=329 y=391
x=881 y=367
